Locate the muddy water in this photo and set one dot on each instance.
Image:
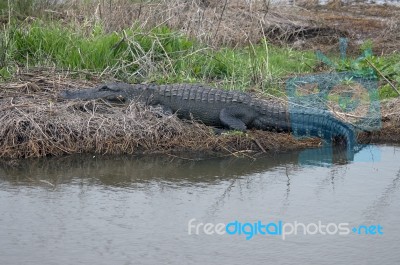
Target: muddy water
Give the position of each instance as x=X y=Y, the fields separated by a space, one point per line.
x=124 y=210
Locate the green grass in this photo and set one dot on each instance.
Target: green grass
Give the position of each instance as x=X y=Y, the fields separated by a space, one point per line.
x=159 y=55
x=163 y=56
x=383 y=68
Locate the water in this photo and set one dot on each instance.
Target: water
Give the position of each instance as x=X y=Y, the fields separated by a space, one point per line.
x=124 y=210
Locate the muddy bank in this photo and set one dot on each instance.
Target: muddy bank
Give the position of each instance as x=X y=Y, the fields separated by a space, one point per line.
x=35 y=123
x=390 y=129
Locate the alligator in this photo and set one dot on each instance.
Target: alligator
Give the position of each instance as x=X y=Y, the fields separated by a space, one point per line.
x=224 y=109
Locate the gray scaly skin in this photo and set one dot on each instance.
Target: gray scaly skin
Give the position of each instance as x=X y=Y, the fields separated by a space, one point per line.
x=225 y=109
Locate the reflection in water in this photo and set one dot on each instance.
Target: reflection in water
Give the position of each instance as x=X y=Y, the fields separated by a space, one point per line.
x=122 y=171
x=125 y=170
x=135 y=210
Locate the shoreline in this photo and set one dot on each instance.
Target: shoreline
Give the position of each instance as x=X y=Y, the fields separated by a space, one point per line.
x=35 y=123
x=251 y=47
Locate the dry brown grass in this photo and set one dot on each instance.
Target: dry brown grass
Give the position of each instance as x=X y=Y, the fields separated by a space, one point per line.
x=35 y=123
x=236 y=22
x=390 y=131
x=378 y=23
x=216 y=23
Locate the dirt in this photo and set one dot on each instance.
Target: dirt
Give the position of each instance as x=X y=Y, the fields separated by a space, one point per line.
x=378 y=23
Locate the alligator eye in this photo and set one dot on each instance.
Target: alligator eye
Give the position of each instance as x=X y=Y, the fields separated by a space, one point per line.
x=104 y=88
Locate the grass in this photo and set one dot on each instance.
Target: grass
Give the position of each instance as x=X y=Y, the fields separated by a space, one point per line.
x=159 y=55
x=385 y=69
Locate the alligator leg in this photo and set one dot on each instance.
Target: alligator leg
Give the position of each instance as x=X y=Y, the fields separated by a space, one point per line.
x=229 y=119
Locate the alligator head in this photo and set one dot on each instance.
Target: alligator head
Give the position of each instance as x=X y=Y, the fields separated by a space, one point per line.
x=113 y=92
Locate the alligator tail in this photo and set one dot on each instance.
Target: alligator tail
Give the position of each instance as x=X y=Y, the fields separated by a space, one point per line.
x=320 y=123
